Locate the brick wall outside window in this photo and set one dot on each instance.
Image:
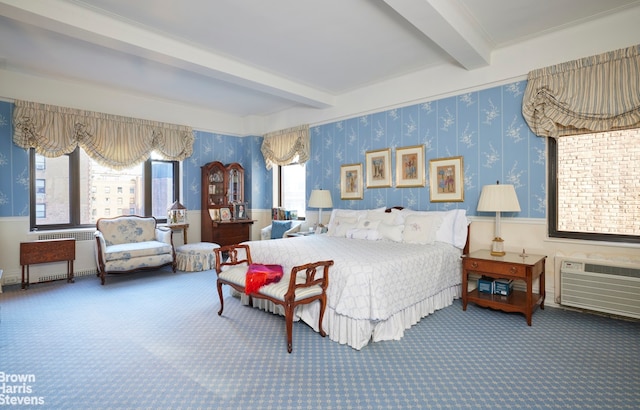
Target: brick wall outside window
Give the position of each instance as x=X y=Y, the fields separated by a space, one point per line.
x=599 y=183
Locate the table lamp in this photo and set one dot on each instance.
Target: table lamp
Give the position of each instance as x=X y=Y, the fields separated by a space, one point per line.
x=320 y=198
x=498 y=198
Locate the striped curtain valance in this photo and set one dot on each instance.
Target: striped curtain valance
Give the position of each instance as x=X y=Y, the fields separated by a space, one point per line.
x=113 y=141
x=593 y=94
x=285 y=146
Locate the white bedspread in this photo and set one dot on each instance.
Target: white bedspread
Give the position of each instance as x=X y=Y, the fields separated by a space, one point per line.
x=371 y=282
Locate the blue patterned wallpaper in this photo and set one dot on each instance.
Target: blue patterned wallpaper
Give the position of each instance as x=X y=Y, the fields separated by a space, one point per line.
x=14 y=168
x=485 y=127
x=226 y=149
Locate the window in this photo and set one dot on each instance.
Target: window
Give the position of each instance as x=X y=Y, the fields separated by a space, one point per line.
x=161 y=177
x=40 y=162
x=594 y=186
x=41 y=211
x=40 y=186
x=80 y=190
x=289 y=188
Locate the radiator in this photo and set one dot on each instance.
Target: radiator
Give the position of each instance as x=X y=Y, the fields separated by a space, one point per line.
x=601 y=286
x=84 y=264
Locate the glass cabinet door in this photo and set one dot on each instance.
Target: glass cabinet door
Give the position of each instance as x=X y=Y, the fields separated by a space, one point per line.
x=235 y=186
x=216 y=187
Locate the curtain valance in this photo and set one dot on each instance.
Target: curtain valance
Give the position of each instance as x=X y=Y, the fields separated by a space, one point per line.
x=282 y=147
x=593 y=94
x=114 y=141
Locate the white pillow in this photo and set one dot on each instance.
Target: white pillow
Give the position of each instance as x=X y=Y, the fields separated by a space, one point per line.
x=366 y=223
x=341 y=213
x=343 y=226
x=453 y=229
x=387 y=217
x=421 y=229
x=368 y=234
x=391 y=232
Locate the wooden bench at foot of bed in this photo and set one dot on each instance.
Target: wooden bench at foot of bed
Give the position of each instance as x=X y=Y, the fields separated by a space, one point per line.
x=305 y=284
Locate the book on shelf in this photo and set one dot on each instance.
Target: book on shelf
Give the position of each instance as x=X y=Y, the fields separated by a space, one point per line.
x=281 y=214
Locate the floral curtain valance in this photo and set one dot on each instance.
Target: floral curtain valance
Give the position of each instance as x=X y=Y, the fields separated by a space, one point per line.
x=282 y=147
x=114 y=141
x=593 y=94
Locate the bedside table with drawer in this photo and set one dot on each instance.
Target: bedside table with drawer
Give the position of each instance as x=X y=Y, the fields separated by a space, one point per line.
x=525 y=268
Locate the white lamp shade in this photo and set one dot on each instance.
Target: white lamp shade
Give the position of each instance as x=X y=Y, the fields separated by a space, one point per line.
x=498 y=198
x=320 y=198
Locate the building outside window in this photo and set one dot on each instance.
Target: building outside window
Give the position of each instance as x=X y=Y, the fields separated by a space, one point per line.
x=153 y=187
x=594 y=183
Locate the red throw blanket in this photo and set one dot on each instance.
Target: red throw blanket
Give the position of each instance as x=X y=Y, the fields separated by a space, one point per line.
x=259 y=275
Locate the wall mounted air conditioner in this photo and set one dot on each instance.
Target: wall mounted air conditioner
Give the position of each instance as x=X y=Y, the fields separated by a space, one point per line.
x=602 y=286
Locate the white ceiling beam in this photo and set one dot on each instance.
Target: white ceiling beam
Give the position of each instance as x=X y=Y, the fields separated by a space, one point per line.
x=448 y=24
x=86 y=25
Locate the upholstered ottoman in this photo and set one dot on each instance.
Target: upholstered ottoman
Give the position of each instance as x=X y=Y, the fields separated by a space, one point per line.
x=194 y=257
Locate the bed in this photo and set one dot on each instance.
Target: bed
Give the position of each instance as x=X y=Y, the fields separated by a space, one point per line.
x=391 y=268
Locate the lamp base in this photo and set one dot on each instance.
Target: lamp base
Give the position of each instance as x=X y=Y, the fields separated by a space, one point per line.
x=497 y=247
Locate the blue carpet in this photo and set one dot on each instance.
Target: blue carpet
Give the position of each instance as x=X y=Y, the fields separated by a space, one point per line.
x=155 y=341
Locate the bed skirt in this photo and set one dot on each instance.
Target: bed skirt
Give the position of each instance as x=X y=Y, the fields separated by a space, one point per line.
x=357 y=333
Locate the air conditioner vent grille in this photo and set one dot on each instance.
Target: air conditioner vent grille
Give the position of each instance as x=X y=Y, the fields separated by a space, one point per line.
x=613 y=270
x=78 y=236
x=599 y=287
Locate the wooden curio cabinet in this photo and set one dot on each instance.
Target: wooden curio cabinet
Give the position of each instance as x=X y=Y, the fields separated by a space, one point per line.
x=222 y=188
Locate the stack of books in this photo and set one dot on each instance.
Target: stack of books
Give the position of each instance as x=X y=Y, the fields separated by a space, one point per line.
x=281 y=214
x=495 y=286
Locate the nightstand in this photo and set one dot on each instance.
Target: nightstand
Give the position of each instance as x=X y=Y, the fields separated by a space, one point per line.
x=510 y=266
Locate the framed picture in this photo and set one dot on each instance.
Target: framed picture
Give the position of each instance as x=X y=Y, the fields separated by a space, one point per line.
x=446 y=180
x=378 y=168
x=214 y=214
x=351 y=182
x=240 y=210
x=225 y=214
x=410 y=167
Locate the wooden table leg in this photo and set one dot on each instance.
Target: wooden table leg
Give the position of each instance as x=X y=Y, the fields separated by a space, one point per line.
x=25 y=285
x=464 y=289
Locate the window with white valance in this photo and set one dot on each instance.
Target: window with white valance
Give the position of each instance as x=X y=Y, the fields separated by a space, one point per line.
x=113 y=141
x=286 y=146
x=593 y=94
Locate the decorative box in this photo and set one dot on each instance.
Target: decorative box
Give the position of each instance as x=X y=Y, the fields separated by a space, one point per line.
x=502 y=287
x=485 y=285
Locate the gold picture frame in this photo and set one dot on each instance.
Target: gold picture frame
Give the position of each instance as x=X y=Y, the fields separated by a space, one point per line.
x=378 y=168
x=351 y=182
x=446 y=179
x=410 y=167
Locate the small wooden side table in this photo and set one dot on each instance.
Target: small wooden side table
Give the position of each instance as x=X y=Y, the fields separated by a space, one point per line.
x=510 y=266
x=52 y=250
x=180 y=227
